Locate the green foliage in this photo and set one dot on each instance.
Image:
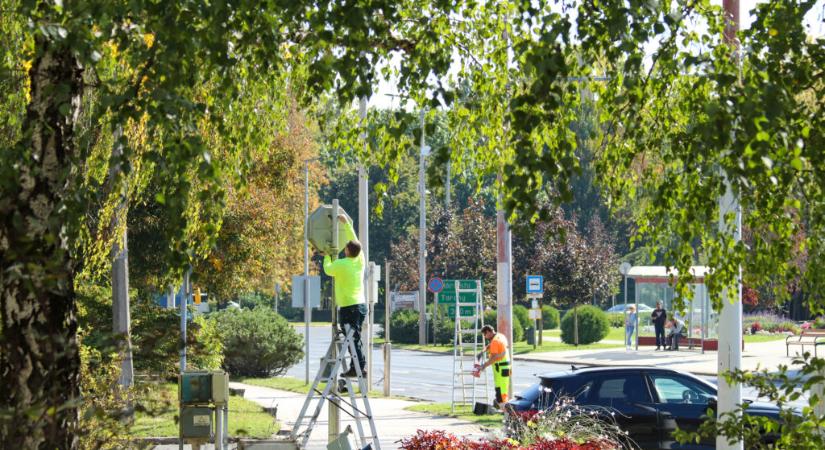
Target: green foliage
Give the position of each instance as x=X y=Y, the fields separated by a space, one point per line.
x=155 y=333
x=522 y=316
x=593 y=325
x=404 y=327
x=257 y=342
x=102 y=423
x=797 y=429
x=490 y=318
x=549 y=317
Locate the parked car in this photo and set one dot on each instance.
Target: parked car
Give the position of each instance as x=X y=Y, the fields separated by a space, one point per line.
x=649 y=402
x=621 y=308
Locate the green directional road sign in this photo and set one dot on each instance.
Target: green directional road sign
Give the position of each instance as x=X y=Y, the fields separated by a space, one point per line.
x=467 y=300
x=466 y=310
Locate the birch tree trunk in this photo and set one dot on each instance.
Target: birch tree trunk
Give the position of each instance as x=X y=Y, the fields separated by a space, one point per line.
x=39 y=361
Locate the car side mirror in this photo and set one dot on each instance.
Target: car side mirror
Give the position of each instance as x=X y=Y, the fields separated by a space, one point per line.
x=713 y=403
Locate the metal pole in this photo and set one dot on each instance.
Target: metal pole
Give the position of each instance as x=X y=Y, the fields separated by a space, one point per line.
x=307 y=309
x=422 y=242
x=333 y=417
x=185 y=289
x=387 y=343
x=370 y=320
x=364 y=236
x=636 y=299
x=730 y=336
x=625 y=310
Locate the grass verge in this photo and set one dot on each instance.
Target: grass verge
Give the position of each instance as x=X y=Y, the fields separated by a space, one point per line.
x=462 y=412
x=246 y=418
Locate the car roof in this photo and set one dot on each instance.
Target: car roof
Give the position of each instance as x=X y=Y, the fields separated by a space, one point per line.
x=577 y=371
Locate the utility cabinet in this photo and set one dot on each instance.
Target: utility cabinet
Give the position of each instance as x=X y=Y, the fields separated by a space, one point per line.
x=203 y=398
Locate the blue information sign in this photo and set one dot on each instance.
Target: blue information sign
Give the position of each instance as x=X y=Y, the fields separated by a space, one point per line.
x=535 y=284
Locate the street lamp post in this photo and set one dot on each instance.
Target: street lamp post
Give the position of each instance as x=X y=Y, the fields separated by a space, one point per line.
x=307 y=308
x=422 y=241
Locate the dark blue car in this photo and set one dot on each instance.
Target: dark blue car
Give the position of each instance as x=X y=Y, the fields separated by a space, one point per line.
x=650 y=403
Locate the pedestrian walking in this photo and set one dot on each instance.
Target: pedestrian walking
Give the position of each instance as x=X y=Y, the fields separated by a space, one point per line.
x=659 y=317
x=497 y=357
x=630 y=324
x=348 y=273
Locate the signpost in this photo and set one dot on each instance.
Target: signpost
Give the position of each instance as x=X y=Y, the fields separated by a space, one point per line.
x=535 y=290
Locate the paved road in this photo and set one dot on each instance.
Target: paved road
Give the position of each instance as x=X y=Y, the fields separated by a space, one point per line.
x=428 y=376
x=423 y=375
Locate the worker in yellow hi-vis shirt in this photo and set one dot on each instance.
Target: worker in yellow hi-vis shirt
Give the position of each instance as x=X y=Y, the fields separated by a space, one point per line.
x=349 y=293
x=497 y=357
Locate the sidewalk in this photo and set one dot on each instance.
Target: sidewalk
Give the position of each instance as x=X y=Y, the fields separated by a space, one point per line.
x=764 y=355
x=392 y=421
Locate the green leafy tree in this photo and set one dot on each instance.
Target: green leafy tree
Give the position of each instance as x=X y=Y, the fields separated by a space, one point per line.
x=193 y=75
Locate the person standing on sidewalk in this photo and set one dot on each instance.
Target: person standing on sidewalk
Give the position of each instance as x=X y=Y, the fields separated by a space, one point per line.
x=659 y=317
x=497 y=357
x=630 y=324
x=349 y=292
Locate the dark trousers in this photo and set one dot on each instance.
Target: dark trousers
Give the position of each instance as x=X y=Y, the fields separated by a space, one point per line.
x=674 y=340
x=660 y=336
x=354 y=316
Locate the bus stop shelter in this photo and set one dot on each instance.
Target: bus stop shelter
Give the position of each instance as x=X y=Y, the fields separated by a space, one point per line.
x=655 y=283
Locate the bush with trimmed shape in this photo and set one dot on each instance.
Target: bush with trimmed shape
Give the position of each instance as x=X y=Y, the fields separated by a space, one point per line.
x=257 y=342
x=593 y=325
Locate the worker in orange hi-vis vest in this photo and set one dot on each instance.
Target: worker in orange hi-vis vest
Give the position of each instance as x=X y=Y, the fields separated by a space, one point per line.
x=497 y=358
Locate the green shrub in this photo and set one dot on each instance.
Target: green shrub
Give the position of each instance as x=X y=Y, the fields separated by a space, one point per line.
x=257 y=342
x=155 y=333
x=593 y=325
x=403 y=327
x=549 y=317
x=490 y=318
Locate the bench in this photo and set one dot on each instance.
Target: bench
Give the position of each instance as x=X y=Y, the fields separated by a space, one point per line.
x=807 y=337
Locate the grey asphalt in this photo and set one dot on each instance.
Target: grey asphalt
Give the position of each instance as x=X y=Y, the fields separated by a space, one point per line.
x=426 y=375
x=422 y=375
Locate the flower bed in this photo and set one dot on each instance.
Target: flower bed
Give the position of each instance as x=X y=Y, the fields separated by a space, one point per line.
x=440 y=440
x=768 y=324
x=565 y=426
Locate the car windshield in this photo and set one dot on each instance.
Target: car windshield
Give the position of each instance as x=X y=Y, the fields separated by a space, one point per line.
x=681 y=389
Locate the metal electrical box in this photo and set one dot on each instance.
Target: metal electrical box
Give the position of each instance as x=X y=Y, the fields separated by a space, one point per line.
x=319 y=227
x=196 y=387
x=204 y=407
x=196 y=422
x=220 y=387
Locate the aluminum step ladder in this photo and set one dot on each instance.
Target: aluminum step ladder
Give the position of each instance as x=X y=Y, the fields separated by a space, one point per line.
x=468 y=349
x=332 y=365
